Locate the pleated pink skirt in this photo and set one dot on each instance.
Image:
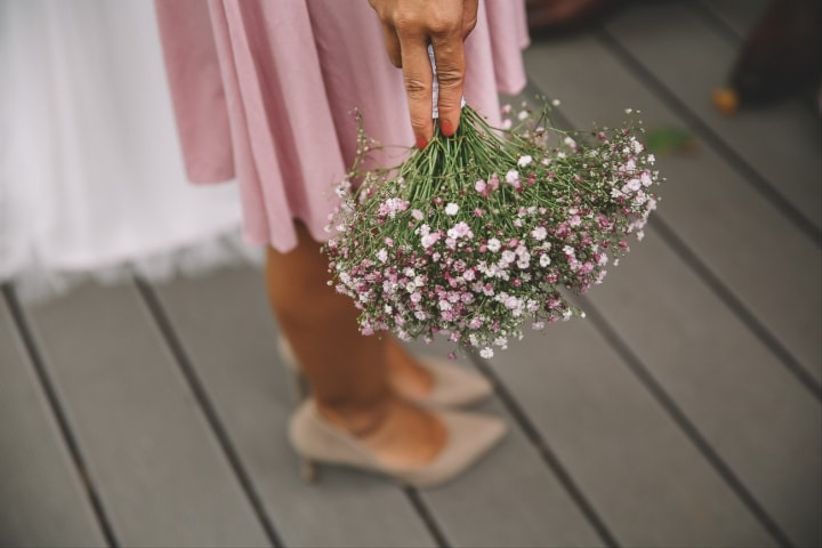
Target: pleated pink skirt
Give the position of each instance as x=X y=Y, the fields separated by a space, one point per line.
x=264 y=92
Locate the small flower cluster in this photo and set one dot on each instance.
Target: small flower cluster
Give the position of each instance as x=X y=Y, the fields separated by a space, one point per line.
x=477 y=235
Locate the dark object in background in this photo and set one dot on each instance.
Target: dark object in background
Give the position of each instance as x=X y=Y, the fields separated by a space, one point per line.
x=780 y=58
x=565 y=15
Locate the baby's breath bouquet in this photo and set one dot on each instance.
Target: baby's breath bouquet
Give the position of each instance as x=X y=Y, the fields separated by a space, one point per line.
x=479 y=234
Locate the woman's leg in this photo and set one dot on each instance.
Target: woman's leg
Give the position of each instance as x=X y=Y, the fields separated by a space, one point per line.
x=347 y=371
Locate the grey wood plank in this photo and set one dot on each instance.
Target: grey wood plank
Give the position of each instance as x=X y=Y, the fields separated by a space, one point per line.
x=227 y=329
x=645 y=478
x=729 y=239
x=739 y=15
x=691 y=58
x=160 y=472
x=763 y=260
x=41 y=495
x=510 y=498
x=762 y=423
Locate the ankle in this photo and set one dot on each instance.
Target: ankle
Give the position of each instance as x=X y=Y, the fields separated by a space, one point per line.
x=360 y=418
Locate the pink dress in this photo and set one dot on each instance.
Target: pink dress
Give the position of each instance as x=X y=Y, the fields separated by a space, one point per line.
x=264 y=90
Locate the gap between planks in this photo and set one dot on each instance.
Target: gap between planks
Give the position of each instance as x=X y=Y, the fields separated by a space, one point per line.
x=67 y=434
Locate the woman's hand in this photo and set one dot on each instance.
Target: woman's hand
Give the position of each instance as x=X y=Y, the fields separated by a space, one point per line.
x=409 y=26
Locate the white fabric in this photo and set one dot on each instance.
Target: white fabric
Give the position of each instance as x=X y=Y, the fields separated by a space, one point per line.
x=91 y=174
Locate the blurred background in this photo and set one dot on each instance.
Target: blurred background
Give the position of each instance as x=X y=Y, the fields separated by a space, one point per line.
x=141 y=398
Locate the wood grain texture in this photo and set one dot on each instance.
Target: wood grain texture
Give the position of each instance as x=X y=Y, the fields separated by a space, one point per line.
x=42 y=497
x=160 y=472
x=226 y=328
x=641 y=473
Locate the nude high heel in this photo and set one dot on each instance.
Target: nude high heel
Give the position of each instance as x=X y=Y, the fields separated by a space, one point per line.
x=454 y=385
x=470 y=437
x=308 y=468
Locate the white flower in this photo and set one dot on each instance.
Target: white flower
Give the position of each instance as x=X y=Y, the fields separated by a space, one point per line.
x=487 y=353
x=555 y=102
x=417 y=214
x=523 y=114
x=451 y=209
x=444 y=305
x=544 y=260
x=570 y=142
x=539 y=233
x=508 y=256
x=512 y=177
x=479 y=186
x=651 y=159
x=382 y=255
x=524 y=161
x=494 y=244
x=460 y=230
x=568 y=250
x=506 y=123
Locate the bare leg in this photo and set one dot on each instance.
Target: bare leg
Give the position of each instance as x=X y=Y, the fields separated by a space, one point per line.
x=348 y=372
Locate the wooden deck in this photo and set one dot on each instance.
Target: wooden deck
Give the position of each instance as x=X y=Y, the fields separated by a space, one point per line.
x=685 y=411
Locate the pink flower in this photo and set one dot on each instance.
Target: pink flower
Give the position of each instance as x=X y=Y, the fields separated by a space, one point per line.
x=493 y=182
x=430 y=239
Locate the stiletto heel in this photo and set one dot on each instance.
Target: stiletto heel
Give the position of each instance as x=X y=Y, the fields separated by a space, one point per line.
x=309 y=470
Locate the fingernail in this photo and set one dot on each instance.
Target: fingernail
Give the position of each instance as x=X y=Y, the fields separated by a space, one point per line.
x=422 y=142
x=446 y=127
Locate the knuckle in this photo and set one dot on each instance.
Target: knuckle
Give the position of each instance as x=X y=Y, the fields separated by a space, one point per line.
x=450 y=77
x=439 y=24
x=418 y=125
x=415 y=87
x=469 y=25
x=406 y=22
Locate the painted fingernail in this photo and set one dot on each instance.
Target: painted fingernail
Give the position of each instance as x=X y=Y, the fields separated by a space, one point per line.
x=446 y=127
x=422 y=142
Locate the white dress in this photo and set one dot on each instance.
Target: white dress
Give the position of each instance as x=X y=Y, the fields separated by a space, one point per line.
x=91 y=173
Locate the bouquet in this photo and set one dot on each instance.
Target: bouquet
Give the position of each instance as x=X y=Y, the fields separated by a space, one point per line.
x=480 y=234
